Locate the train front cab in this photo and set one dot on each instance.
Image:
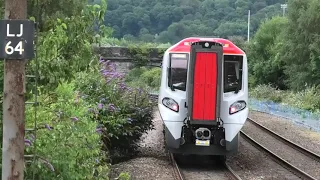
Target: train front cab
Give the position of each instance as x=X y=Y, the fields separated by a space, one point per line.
x=210 y=127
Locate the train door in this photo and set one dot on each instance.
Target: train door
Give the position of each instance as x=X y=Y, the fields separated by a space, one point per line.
x=204 y=82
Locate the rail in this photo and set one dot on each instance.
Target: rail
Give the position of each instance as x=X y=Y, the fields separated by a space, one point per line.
x=287 y=141
x=233 y=175
x=300 y=173
x=177 y=173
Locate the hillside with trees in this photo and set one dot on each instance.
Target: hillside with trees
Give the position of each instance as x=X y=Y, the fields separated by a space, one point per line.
x=171 y=20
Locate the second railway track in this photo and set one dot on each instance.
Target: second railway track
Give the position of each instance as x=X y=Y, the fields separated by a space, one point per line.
x=301 y=161
x=287 y=141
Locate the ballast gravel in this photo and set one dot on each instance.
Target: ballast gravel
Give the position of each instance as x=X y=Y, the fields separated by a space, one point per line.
x=152 y=162
x=144 y=168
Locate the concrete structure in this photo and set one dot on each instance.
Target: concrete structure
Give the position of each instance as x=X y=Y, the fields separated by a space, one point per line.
x=124 y=57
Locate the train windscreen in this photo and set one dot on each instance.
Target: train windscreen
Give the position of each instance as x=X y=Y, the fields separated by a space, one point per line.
x=232 y=73
x=178 y=71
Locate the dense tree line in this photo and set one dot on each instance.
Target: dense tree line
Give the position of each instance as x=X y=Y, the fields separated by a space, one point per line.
x=171 y=20
x=286 y=50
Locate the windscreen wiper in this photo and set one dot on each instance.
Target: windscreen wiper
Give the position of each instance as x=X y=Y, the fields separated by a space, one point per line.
x=170 y=80
x=237 y=87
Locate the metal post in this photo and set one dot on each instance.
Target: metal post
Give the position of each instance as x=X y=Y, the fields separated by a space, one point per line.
x=249 y=25
x=14 y=104
x=283 y=7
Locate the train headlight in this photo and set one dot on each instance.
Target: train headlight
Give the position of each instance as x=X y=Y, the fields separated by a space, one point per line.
x=171 y=104
x=237 y=106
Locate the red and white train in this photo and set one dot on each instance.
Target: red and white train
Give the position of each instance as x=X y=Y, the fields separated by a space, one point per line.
x=203 y=96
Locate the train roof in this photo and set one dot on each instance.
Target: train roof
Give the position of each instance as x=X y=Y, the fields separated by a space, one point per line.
x=228 y=46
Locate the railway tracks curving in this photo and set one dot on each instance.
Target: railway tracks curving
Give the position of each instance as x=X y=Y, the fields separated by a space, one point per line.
x=290 y=163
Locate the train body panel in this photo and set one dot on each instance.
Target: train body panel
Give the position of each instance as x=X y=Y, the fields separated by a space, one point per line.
x=203 y=119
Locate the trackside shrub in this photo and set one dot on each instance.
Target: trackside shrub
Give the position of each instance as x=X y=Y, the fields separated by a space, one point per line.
x=124 y=113
x=267 y=92
x=68 y=144
x=135 y=73
x=124 y=176
x=152 y=77
x=142 y=77
x=308 y=99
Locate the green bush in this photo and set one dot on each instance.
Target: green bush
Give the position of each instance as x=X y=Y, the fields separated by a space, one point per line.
x=267 y=92
x=123 y=112
x=67 y=143
x=124 y=176
x=149 y=79
x=308 y=99
x=152 y=77
x=135 y=73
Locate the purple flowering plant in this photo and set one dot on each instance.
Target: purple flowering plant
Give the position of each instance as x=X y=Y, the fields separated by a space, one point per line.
x=124 y=112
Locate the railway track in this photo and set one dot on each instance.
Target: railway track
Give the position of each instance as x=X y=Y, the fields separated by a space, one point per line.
x=231 y=174
x=178 y=172
x=292 y=166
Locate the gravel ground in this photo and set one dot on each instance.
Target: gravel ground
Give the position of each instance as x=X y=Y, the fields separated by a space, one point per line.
x=144 y=168
x=152 y=144
x=251 y=164
x=293 y=156
x=152 y=162
x=300 y=135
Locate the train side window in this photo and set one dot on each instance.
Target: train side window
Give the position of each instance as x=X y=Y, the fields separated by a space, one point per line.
x=177 y=71
x=232 y=73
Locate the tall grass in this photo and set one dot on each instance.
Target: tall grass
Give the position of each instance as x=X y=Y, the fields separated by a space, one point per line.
x=308 y=99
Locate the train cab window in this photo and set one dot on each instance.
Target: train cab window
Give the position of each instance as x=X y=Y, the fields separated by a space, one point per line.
x=232 y=73
x=177 y=71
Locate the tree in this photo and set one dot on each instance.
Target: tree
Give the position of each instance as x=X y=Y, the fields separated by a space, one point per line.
x=239 y=41
x=1 y=8
x=231 y=29
x=265 y=64
x=130 y=24
x=301 y=51
x=50 y=10
x=217 y=17
x=65 y=44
